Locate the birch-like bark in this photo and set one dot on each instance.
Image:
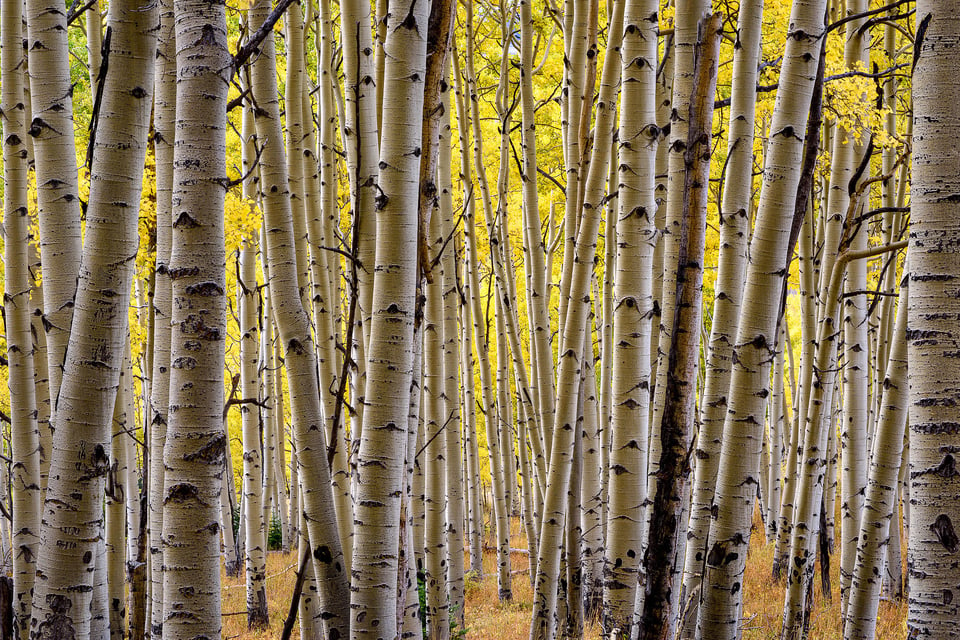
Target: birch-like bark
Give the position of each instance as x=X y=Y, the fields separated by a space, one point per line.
x=541 y=357
x=72 y=518
x=881 y=508
x=390 y=357
x=193 y=455
x=451 y=369
x=732 y=263
x=434 y=458
x=668 y=495
x=58 y=196
x=755 y=345
x=487 y=397
x=25 y=498
x=471 y=447
x=361 y=148
x=855 y=420
x=255 y=543
x=635 y=237
x=326 y=274
x=810 y=489
x=116 y=507
x=572 y=339
x=164 y=114
x=299 y=353
x=934 y=410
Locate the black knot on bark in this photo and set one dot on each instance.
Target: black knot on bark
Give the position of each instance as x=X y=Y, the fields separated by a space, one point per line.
x=942 y=527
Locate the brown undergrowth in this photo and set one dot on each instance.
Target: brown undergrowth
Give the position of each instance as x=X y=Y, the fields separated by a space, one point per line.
x=489 y=619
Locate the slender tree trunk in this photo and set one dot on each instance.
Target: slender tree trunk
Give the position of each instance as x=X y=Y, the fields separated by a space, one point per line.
x=572 y=338
x=58 y=201
x=164 y=115
x=676 y=426
x=255 y=543
x=25 y=481
x=632 y=313
x=435 y=494
x=487 y=396
x=881 y=508
x=299 y=353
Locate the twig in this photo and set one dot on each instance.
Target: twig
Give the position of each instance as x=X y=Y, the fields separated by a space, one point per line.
x=101 y=76
x=247 y=48
x=295 y=599
x=71 y=18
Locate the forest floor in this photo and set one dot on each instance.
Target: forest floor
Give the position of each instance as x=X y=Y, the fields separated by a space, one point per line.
x=486 y=618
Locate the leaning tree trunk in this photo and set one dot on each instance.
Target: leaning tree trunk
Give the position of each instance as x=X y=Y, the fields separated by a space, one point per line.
x=668 y=495
x=734 y=236
x=881 y=508
x=293 y=325
x=72 y=526
x=729 y=534
x=932 y=336
x=58 y=197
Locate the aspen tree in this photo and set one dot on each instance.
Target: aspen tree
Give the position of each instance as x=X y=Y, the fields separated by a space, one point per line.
x=605 y=338
x=435 y=493
x=93 y=25
x=794 y=441
x=58 y=201
x=390 y=358
x=24 y=432
x=326 y=273
x=880 y=502
x=591 y=538
x=931 y=336
x=572 y=339
x=472 y=454
x=500 y=259
x=164 y=115
x=255 y=543
x=451 y=372
x=755 y=343
x=541 y=357
x=409 y=625
x=854 y=424
x=116 y=491
x=487 y=398
x=777 y=417
x=732 y=260
x=361 y=136
x=675 y=419
x=576 y=17
x=72 y=517
x=194 y=448
x=293 y=119
x=811 y=484
x=299 y=354
x=632 y=311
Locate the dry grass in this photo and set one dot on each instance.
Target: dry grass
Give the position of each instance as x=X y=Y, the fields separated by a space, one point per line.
x=487 y=618
x=763 y=600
